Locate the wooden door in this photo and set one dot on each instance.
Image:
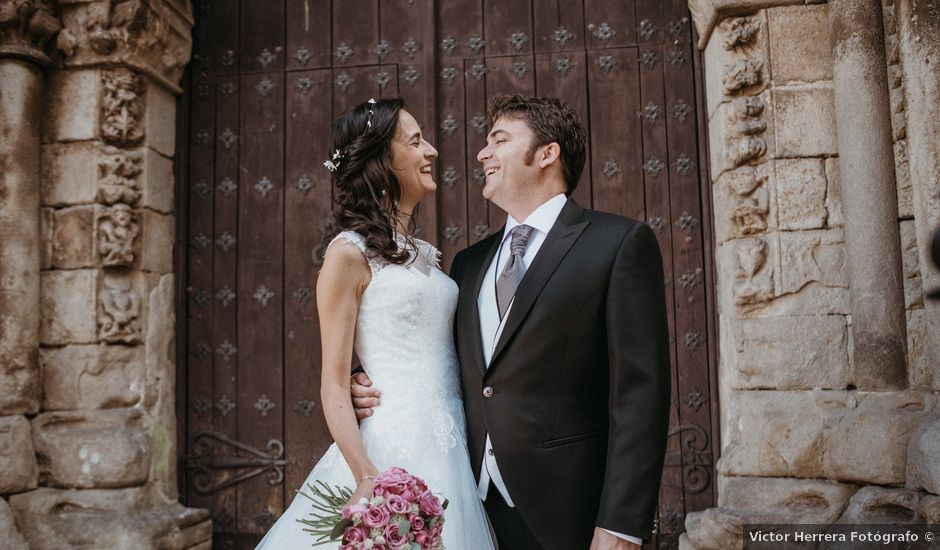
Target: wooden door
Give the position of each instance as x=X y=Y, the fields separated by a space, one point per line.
x=267 y=79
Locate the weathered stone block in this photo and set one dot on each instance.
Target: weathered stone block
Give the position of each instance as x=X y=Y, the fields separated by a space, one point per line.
x=74 y=238
x=160 y=119
x=913 y=288
x=880 y=426
x=799 y=44
x=923 y=455
x=161 y=380
x=52 y=519
x=157 y=181
x=741 y=133
x=9 y=534
x=924 y=373
x=713 y=529
x=156 y=251
x=801 y=193
x=92 y=376
x=18 y=469
x=92 y=448
x=777 y=500
x=902 y=175
x=804 y=121
x=47 y=230
x=69 y=173
x=117 y=235
x=68 y=307
x=812 y=257
x=833 y=194
x=930 y=509
x=19 y=376
x=72 y=107
x=779 y=433
x=879 y=505
x=787 y=353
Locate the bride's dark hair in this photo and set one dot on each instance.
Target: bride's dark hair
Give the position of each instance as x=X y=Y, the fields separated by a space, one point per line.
x=366 y=189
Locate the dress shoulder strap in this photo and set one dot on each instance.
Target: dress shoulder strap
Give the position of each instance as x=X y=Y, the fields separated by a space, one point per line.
x=375 y=263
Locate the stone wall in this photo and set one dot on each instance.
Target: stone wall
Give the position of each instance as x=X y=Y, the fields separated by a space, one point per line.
x=800 y=441
x=87 y=312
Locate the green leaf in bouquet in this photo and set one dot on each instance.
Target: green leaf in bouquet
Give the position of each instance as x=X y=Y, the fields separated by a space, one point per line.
x=404 y=527
x=340 y=528
x=328 y=515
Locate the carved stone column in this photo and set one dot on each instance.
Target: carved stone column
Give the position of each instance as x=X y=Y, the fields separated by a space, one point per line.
x=869 y=194
x=25 y=29
x=105 y=432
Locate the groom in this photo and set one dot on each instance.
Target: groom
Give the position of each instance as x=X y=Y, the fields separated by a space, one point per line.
x=563 y=345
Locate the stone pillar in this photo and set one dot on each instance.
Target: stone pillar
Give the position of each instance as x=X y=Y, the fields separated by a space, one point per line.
x=869 y=194
x=25 y=30
x=919 y=43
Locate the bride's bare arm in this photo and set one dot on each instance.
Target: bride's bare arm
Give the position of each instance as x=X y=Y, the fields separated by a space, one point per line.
x=342 y=280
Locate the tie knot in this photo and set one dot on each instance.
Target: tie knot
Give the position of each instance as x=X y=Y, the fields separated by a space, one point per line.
x=520 y=238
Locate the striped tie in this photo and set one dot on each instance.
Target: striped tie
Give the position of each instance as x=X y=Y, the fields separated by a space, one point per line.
x=513 y=270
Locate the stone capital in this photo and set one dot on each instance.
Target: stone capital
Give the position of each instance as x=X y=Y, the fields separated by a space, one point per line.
x=708 y=13
x=152 y=36
x=26 y=30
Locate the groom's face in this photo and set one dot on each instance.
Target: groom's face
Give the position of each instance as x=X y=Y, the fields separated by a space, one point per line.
x=508 y=161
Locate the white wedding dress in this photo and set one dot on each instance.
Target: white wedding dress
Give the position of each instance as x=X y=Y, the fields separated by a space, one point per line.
x=405 y=341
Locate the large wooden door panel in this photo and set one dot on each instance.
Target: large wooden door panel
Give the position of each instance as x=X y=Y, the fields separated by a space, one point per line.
x=266 y=81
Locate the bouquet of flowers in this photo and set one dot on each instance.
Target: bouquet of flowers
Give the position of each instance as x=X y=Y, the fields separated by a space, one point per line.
x=402 y=514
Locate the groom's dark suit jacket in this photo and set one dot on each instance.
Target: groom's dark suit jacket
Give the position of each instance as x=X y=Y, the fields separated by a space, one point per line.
x=580 y=378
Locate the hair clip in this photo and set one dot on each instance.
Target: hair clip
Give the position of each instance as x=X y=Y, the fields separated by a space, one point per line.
x=371 y=112
x=333 y=164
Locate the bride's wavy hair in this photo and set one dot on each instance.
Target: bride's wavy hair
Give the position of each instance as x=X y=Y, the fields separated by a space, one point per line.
x=366 y=189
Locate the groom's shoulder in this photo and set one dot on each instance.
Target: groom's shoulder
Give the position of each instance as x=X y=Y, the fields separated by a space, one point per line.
x=611 y=224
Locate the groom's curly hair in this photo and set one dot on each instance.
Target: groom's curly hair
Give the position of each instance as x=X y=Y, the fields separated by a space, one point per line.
x=550 y=120
x=367 y=191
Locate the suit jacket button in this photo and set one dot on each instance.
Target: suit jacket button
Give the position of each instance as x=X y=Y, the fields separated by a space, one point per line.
x=488 y=392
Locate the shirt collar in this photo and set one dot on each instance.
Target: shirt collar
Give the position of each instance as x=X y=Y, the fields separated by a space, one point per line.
x=542 y=218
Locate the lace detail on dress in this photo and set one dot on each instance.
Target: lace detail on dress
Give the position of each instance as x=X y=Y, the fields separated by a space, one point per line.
x=376 y=263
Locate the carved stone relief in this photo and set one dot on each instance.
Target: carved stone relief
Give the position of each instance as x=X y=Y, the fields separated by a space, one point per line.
x=749 y=214
x=26 y=27
x=117 y=229
x=741 y=74
x=119 y=310
x=118 y=176
x=738 y=31
x=122 y=107
x=743 y=135
x=753 y=282
x=151 y=36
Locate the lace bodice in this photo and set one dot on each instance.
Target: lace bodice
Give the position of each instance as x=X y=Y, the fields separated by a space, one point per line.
x=404 y=339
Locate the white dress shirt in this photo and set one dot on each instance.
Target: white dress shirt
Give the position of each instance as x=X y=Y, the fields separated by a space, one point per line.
x=491 y=326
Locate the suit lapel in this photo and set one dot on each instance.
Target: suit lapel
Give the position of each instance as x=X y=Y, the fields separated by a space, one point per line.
x=557 y=243
x=471 y=307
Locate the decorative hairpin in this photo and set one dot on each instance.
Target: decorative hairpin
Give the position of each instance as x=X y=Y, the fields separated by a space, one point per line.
x=333 y=164
x=371 y=112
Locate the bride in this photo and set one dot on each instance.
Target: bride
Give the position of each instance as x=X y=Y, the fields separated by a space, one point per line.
x=381 y=293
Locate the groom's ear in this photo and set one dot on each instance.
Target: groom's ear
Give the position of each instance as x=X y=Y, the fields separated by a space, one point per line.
x=548 y=154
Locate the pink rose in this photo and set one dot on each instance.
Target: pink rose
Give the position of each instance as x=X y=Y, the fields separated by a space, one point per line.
x=394 y=539
x=417 y=523
x=376 y=516
x=354 y=535
x=397 y=504
x=408 y=494
x=430 y=504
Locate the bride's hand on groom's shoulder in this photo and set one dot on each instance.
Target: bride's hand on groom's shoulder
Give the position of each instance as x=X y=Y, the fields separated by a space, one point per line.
x=364 y=396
